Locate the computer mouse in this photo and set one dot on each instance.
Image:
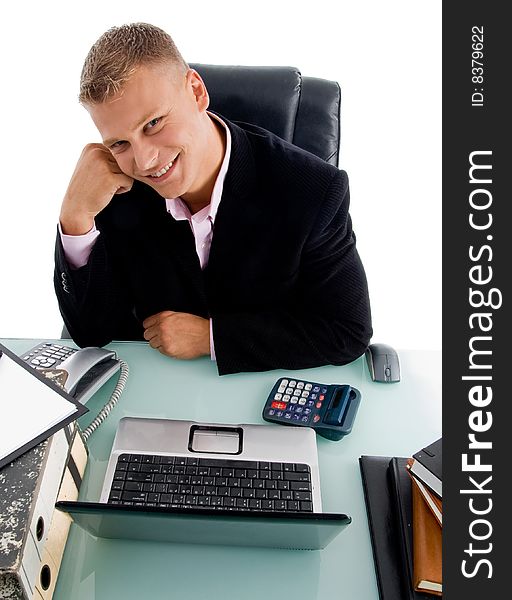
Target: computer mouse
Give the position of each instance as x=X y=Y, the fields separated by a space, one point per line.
x=383 y=363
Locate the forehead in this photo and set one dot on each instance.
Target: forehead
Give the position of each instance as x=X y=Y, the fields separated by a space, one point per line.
x=148 y=91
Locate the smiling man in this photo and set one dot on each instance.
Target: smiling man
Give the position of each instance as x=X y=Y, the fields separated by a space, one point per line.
x=202 y=236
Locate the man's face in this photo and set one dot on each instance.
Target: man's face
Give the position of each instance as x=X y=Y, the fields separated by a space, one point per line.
x=156 y=129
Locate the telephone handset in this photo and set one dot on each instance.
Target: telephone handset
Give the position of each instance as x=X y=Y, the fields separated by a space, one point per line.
x=80 y=372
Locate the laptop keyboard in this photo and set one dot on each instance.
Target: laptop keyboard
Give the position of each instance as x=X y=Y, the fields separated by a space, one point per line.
x=225 y=484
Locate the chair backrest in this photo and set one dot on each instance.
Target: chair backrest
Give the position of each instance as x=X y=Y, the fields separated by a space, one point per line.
x=302 y=110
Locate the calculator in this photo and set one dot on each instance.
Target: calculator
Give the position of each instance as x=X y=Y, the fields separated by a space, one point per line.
x=330 y=409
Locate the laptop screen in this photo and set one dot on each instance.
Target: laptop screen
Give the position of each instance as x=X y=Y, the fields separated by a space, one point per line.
x=299 y=531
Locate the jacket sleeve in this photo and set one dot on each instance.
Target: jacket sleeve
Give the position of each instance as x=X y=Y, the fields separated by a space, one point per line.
x=329 y=319
x=92 y=299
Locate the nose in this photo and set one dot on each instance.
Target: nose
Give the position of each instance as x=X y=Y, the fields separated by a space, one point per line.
x=145 y=156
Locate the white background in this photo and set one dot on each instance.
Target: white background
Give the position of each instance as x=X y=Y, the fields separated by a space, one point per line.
x=386 y=57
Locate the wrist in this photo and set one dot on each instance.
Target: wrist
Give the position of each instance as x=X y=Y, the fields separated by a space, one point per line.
x=73 y=224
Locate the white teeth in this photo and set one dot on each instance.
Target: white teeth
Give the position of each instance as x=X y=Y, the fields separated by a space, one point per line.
x=162 y=171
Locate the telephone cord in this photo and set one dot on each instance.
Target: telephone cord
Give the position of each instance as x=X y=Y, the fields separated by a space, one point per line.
x=116 y=394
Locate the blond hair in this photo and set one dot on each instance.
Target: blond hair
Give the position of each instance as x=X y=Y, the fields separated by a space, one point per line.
x=118 y=53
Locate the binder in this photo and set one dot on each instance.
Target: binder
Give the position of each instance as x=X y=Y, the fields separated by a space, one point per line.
x=384 y=530
x=33 y=533
x=427 y=466
x=427 y=546
x=382 y=525
x=401 y=500
x=32 y=407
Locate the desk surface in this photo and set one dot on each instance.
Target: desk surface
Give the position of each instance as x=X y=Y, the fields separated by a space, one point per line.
x=393 y=420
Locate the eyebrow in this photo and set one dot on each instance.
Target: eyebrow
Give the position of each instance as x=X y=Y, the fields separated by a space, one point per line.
x=144 y=120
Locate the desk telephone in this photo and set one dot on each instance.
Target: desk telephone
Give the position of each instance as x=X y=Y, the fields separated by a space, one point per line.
x=80 y=372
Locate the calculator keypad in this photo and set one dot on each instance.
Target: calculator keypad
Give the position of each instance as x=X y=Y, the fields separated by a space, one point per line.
x=297 y=402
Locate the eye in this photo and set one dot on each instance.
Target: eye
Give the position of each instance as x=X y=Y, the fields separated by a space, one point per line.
x=117 y=145
x=153 y=123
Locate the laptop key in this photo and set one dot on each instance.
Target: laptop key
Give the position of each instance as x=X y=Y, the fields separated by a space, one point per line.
x=296 y=476
x=302 y=496
x=147 y=477
x=300 y=486
x=301 y=468
x=133 y=486
x=134 y=496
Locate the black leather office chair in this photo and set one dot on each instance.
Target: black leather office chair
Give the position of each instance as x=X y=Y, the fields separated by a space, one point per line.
x=302 y=110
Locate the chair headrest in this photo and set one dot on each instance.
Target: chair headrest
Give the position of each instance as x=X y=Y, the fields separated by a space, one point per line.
x=302 y=110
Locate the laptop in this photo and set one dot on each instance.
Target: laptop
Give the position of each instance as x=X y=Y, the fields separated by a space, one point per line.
x=208 y=483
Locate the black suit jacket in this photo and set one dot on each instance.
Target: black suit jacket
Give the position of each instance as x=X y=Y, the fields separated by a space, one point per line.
x=284 y=285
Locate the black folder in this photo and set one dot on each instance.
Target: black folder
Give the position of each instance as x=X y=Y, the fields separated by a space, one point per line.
x=382 y=491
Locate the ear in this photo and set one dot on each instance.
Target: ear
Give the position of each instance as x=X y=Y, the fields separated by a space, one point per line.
x=198 y=88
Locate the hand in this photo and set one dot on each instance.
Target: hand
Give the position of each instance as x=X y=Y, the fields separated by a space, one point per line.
x=177 y=334
x=97 y=177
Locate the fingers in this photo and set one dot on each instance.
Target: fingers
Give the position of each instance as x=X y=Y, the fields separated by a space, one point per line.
x=154 y=319
x=154 y=331
x=179 y=335
x=122 y=189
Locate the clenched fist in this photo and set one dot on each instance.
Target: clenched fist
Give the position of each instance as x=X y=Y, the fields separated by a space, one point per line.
x=177 y=334
x=97 y=177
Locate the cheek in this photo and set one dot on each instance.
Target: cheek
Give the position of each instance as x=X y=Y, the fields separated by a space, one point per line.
x=124 y=162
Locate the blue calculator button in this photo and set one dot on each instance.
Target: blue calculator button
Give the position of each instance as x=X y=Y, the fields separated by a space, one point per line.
x=271 y=412
x=305 y=419
x=316 y=389
x=288 y=415
x=295 y=417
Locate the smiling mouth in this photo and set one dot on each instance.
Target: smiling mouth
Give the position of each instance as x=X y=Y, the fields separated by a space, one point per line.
x=164 y=170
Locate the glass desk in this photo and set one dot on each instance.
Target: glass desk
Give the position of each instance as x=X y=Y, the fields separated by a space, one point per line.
x=393 y=420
